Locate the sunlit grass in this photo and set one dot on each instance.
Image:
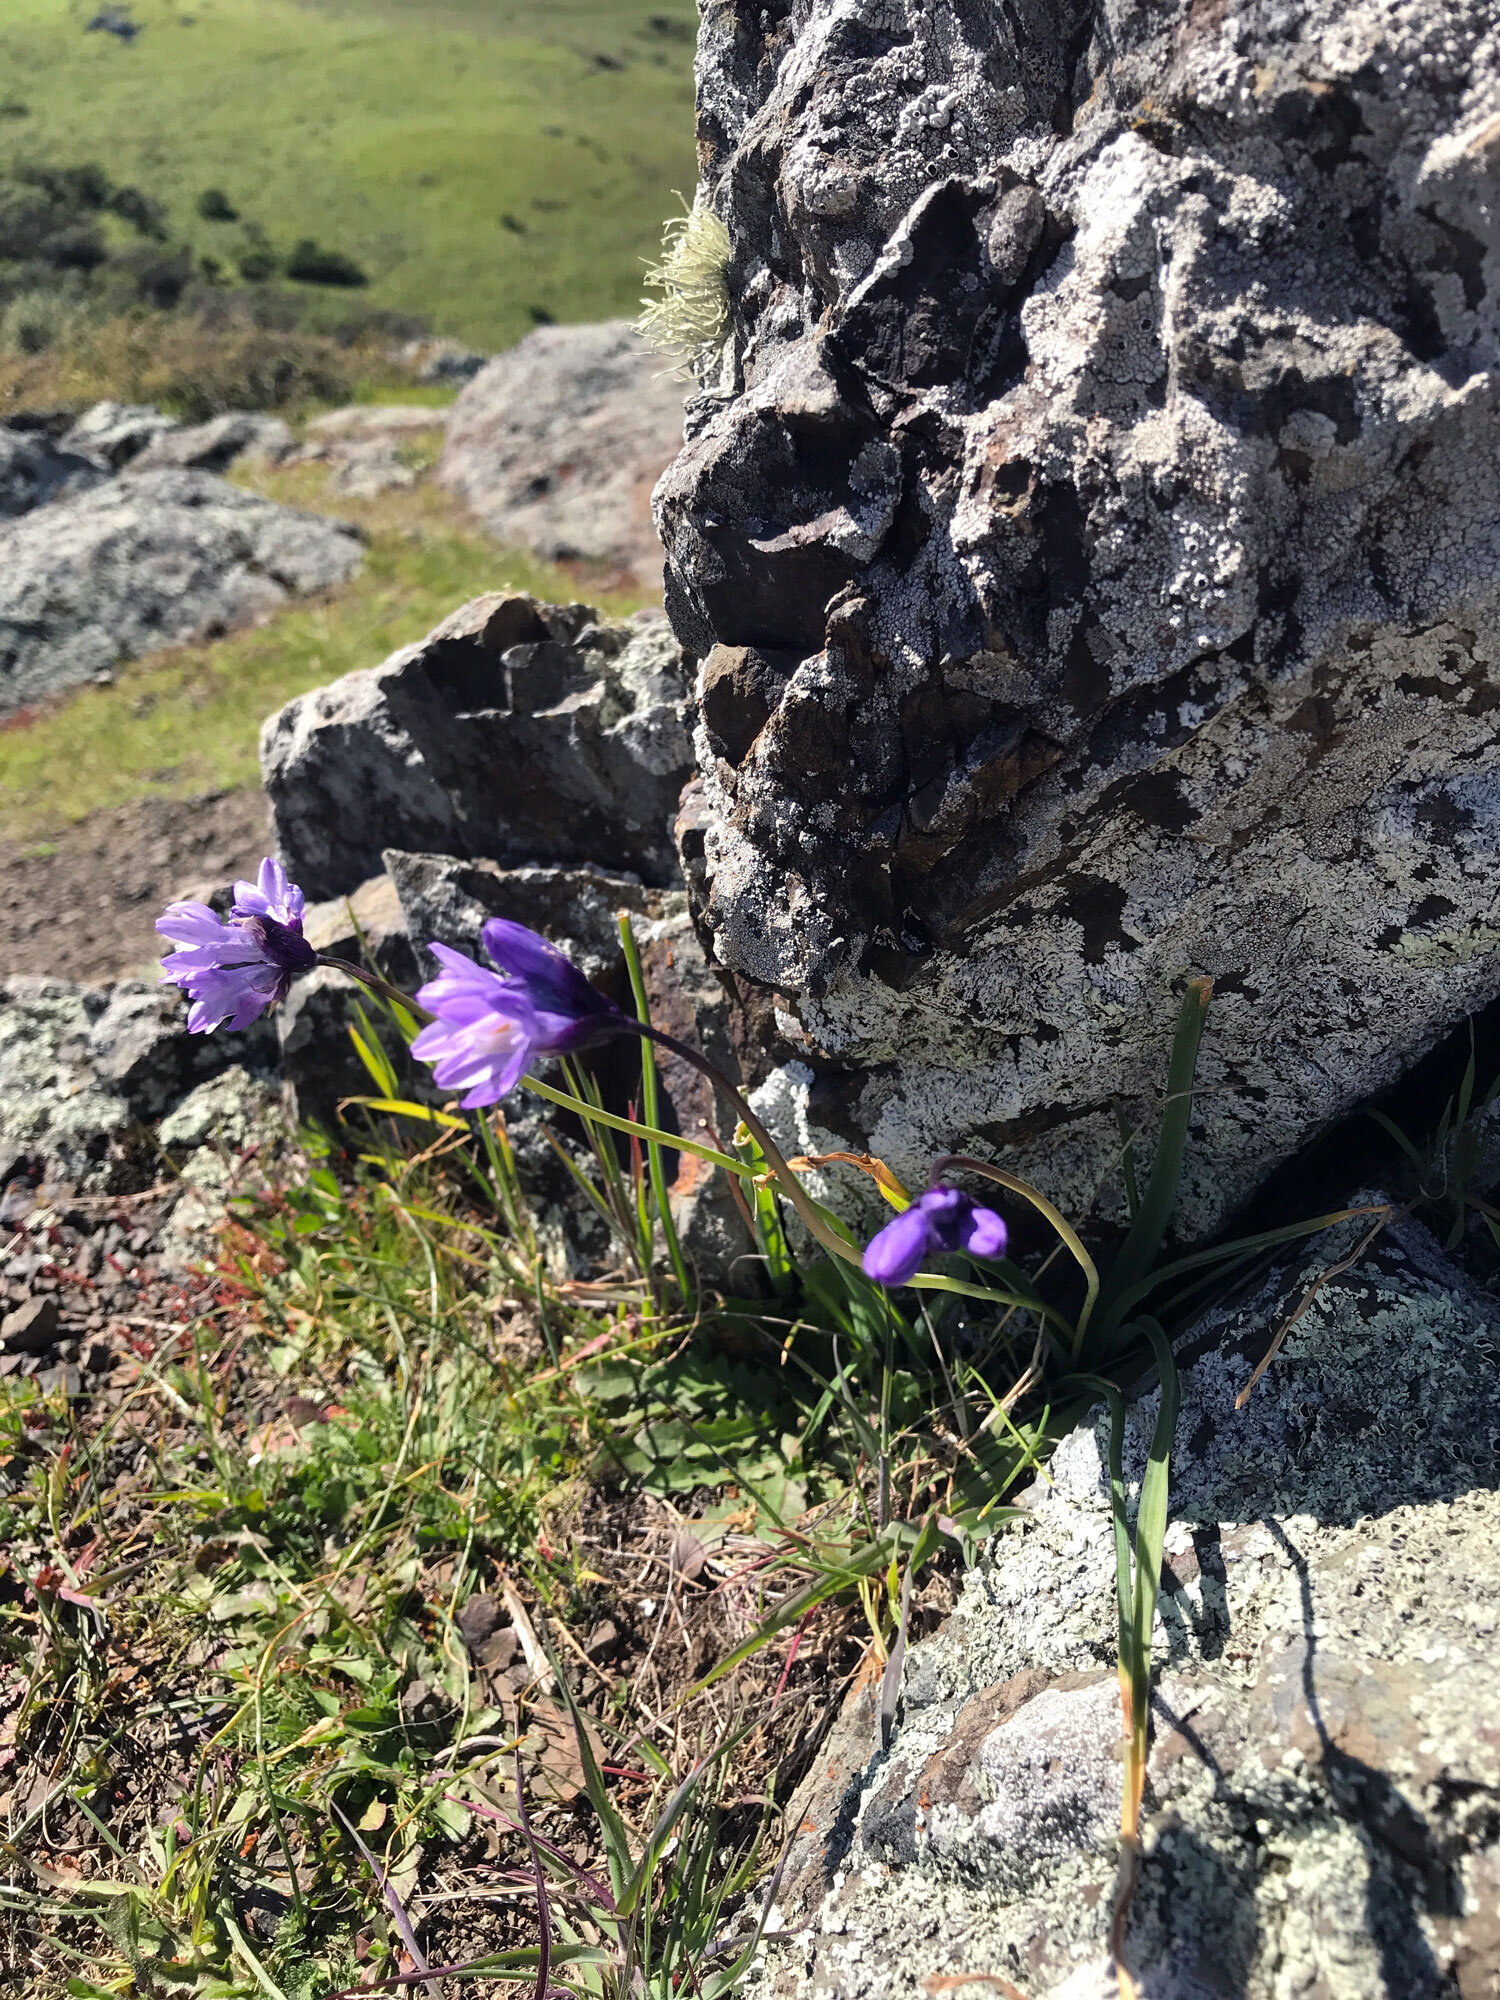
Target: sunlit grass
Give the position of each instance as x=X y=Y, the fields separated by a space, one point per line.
x=485 y=164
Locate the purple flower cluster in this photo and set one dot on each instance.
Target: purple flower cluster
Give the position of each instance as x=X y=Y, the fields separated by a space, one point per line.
x=491 y=1026
x=488 y=1028
x=943 y=1219
x=234 y=968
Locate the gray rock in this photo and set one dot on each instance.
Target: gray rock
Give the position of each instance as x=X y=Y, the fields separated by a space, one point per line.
x=139 y=1046
x=231 y=1111
x=150 y=559
x=367 y=467
x=31 y=1328
x=216 y=445
x=34 y=471
x=55 y=1112
x=115 y=433
x=452 y=900
x=364 y=421
x=556 y=445
x=1320 y=1797
x=369 y=928
x=1093 y=554
x=320 y=1066
x=441 y=360
x=516 y=731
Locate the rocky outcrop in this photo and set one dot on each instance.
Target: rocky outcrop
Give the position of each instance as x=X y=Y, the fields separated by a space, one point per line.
x=556 y=445
x=1092 y=558
x=516 y=732
x=34 y=471
x=216 y=445
x=1323 y=1796
x=116 y=433
x=82 y=1067
x=150 y=559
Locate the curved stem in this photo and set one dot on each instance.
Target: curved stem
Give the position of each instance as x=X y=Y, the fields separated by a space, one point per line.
x=963 y=1163
x=380 y=986
x=796 y=1194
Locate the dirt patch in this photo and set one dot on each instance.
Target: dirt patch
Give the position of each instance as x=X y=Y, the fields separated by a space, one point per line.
x=82 y=906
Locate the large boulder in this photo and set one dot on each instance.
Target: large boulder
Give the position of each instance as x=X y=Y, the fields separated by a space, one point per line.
x=516 y=732
x=34 y=471
x=150 y=559
x=1093 y=558
x=1320 y=1800
x=557 y=444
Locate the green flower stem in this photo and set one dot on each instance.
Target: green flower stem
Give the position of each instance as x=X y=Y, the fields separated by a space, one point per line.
x=381 y=986
x=962 y=1163
x=796 y=1194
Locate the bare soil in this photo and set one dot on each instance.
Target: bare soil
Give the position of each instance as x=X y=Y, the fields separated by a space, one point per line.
x=83 y=906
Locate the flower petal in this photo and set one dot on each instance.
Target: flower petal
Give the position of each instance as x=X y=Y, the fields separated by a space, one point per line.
x=895 y=1256
x=983 y=1233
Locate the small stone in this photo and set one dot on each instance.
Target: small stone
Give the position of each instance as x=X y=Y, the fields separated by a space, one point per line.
x=31 y=1328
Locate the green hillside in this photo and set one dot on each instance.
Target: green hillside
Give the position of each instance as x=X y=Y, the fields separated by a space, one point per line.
x=488 y=163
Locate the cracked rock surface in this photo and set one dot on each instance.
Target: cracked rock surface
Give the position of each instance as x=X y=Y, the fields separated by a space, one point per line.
x=1089 y=547
x=514 y=732
x=1322 y=1808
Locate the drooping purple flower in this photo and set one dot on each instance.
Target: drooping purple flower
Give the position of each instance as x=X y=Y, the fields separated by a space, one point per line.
x=491 y=1026
x=234 y=968
x=943 y=1219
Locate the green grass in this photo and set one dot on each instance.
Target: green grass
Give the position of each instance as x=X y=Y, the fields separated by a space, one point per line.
x=189 y=720
x=400 y=133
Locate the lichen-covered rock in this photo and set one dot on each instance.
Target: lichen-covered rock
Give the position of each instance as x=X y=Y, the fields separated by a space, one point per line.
x=516 y=731
x=34 y=470
x=116 y=433
x=150 y=559
x=1092 y=556
x=215 y=445
x=1323 y=1797
x=557 y=443
x=57 y=1118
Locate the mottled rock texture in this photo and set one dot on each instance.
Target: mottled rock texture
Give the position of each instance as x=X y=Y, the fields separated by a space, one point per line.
x=1323 y=1797
x=34 y=470
x=1091 y=551
x=150 y=559
x=516 y=732
x=557 y=444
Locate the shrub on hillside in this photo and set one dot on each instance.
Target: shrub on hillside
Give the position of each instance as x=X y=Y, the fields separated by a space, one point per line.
x=33 y=321
x=215 y=206
x=310 y=264
x=183 y=365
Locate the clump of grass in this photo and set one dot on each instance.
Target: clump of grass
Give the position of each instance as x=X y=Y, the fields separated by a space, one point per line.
x=469 y=1432
x=689 y=317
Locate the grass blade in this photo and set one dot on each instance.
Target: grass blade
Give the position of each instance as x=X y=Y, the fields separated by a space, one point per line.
x=650 y=1104
x=1143 y=1243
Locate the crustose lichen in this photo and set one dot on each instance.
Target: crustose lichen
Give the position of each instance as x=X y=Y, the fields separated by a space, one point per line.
x=689 y=316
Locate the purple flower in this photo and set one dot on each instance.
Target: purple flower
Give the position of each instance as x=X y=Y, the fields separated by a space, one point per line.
x=491 y=1026
x=942 y=1219
x=234 y=969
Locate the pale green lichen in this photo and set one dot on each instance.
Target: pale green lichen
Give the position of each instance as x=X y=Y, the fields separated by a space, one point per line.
x=689 y=316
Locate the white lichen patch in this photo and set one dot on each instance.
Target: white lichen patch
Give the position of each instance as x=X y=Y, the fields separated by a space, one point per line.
x=1320 y=1797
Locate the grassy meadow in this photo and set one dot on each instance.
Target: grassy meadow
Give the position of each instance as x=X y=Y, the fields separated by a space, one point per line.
x=488 y=163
